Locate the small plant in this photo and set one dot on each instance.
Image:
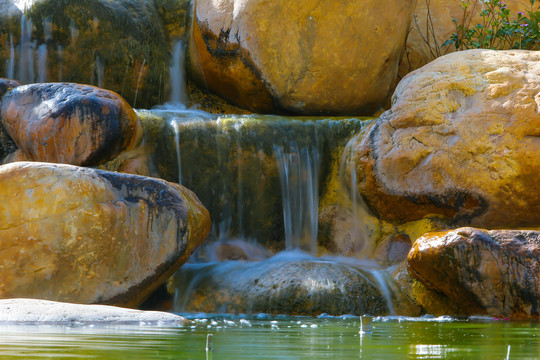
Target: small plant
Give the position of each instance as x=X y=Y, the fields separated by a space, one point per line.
x=498 y=29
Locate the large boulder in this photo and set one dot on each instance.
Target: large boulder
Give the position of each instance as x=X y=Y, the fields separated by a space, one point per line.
x=118 y=45
x=69 y=123
x=485 y=272
x=89 y=236
x=433 y=25
x=460 y=142
x=34 y=311
x=306 y=57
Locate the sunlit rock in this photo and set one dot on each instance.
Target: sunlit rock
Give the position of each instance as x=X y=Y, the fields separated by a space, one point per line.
x=90 y=236
x=69 y=123
x=43 y=311
x=117 y=45
x=461 y=142
x=485 y=272
x=306 y=57
x=432 y=26
x=289 y=283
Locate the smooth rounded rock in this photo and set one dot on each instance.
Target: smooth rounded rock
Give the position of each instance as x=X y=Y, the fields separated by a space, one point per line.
x=486 y=272
x=460 y=142
x=306 y=57
x=34 y=311
x=69 y=123
x=89 y=236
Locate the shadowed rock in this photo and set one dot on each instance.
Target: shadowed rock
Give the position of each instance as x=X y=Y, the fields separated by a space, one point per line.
x=90 y=236
x=69 y=123
x=485 y=272
x=6 y=85
x=461 y=141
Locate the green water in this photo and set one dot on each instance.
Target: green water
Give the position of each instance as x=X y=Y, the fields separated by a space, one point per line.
x=278 y=338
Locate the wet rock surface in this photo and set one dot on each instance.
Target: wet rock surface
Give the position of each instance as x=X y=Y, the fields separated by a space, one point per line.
x=460 y=142
x=6 y=85
x=33 y=311
x=89 y=236
x=69 y=123
x=485 y=272
x=339 y=58
x=284 y=284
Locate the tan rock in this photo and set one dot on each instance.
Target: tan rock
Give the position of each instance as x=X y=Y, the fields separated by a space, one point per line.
x=461 y=141
x=485 y=272
x=89 y=236
x=69 y=123
x=432 y=26
x=306 y=56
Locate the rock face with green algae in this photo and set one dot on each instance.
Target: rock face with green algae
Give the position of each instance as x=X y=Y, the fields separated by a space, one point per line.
x=231 y=164
x=118 y=45
x=304 y=57
x=461 y=142
x=485 y=272
x=89 y=236
x=69 y=123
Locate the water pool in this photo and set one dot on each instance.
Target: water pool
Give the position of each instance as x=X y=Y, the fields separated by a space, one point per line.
x=266 y=337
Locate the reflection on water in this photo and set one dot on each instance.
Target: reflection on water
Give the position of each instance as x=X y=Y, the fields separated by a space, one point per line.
x=265 y=337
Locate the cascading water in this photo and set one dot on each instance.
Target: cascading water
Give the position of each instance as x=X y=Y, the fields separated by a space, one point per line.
x=299 y=177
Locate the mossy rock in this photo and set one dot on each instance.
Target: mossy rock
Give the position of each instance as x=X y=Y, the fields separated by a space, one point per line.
x=118 y=45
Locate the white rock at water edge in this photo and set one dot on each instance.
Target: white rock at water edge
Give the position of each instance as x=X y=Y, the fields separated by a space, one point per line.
x=45 y=311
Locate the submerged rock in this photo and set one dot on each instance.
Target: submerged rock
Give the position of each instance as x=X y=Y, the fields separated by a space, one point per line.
x=485 y=272
x=289 y=283
x=461 y=141
x=118 y=45
x=44 y=311
x=69 y=123
x=338 y=58
x=90 y=236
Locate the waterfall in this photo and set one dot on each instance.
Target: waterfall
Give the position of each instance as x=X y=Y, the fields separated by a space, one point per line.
x=176 y=75
x=42 y=63
x=299 y=177
x=11 y=64
x=26 y=60
x=99 y=72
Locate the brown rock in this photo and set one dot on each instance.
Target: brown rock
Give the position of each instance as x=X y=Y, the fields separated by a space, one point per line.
x=69 y=123
x=305 y=56
x=89 y=236
x=486 y=272
x=460 y=141
x=432 y=26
